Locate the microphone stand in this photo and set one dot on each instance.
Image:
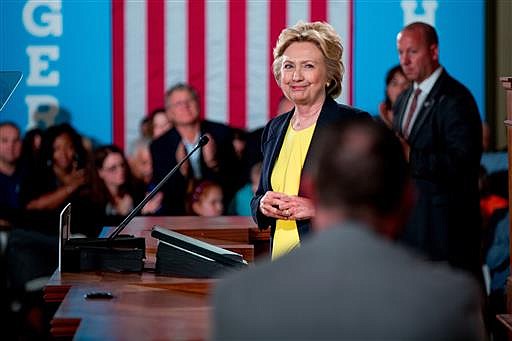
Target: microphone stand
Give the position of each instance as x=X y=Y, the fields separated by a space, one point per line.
x=203 y=140
x=115 y=254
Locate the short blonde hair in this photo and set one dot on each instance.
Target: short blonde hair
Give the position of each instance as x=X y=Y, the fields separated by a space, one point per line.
x=325 y=38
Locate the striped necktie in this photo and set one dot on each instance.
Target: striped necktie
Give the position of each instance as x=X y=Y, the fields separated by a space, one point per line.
x=410 y=113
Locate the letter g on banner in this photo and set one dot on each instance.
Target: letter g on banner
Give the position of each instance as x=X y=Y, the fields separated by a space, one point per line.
x=50 y=23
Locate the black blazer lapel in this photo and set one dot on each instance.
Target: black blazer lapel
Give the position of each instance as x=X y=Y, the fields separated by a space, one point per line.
x=279 y=134
x=328 y=114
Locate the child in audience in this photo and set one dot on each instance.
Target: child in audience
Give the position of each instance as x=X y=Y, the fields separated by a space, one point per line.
x=206 y=199
x=241 y=203
x=160 y=123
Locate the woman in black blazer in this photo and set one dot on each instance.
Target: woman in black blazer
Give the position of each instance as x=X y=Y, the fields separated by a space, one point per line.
x=308 y=68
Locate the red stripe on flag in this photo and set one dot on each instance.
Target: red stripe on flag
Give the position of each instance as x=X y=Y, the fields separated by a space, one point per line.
x=196 y=49
x=237 y=63
x=350 y=67
x=277 y=17
x=318 y=10
x=118 y=72
x=155 y=54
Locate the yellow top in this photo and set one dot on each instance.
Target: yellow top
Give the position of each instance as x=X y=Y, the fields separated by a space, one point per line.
x=286 y=179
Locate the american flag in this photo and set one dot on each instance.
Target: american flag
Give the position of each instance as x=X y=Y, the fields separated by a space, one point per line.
x=222 y=48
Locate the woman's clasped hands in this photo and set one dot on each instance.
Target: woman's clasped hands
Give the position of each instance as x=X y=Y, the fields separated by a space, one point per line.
x=286 y=207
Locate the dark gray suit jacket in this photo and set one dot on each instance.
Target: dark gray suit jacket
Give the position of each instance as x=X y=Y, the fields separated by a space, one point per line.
x=446 y=147
x=348 y=283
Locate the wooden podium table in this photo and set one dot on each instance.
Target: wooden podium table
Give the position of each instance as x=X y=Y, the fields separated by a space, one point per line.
x=144 y=306
x=148 y=306
x=234 y=233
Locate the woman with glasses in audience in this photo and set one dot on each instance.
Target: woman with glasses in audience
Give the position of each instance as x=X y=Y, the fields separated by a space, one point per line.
x=114 y=190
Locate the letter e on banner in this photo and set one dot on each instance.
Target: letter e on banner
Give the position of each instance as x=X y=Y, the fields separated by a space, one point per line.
x=38 y=65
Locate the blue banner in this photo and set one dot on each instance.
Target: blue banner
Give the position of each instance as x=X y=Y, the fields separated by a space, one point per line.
x=461 y=29
x=63 y=50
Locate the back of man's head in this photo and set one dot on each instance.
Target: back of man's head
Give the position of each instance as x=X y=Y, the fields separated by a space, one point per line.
x=360 y=171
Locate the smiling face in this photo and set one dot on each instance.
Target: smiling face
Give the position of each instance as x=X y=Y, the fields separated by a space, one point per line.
x=63 y=152
x=160 y=124
x=303 y=74
x=417 y=58
x=182 y=108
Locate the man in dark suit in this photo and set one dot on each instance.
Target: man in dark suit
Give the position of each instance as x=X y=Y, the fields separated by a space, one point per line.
x=216 y=161
x=349 y=280
x=439 y=123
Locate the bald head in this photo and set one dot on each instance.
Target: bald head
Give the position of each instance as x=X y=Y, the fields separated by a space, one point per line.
x=427 y=32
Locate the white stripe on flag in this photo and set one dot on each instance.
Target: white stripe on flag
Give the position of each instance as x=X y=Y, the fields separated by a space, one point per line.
x=135 y=68
x=297 y=10
x=339 y=19
x=217 y=56
x=258 y=65
x=175 y=42
x=216 y=62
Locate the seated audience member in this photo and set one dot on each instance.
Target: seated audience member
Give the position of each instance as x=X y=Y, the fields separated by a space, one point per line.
x=241 y=203
x=350 y=275
x=146 y=128
x=216 y=161
x=32 y=248
x=489 y=202
x=59 y=178
x=493 y=160
x=114 y=191
x=140 y=162
x=31 y=148
x=244 y=157
x=205 y=200
x=10 y=151
x=239 y=142
x=396 y=83
x=141 y=166
x=160 y=123
x=496 y=251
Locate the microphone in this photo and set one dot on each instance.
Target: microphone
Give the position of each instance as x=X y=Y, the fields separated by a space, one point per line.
x=203 y=140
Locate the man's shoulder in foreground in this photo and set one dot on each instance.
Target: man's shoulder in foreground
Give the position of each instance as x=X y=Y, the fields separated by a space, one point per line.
x=349 y=283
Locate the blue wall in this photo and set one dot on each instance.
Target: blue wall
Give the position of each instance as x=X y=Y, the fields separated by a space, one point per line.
x=461 y=29
x=84 y=64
